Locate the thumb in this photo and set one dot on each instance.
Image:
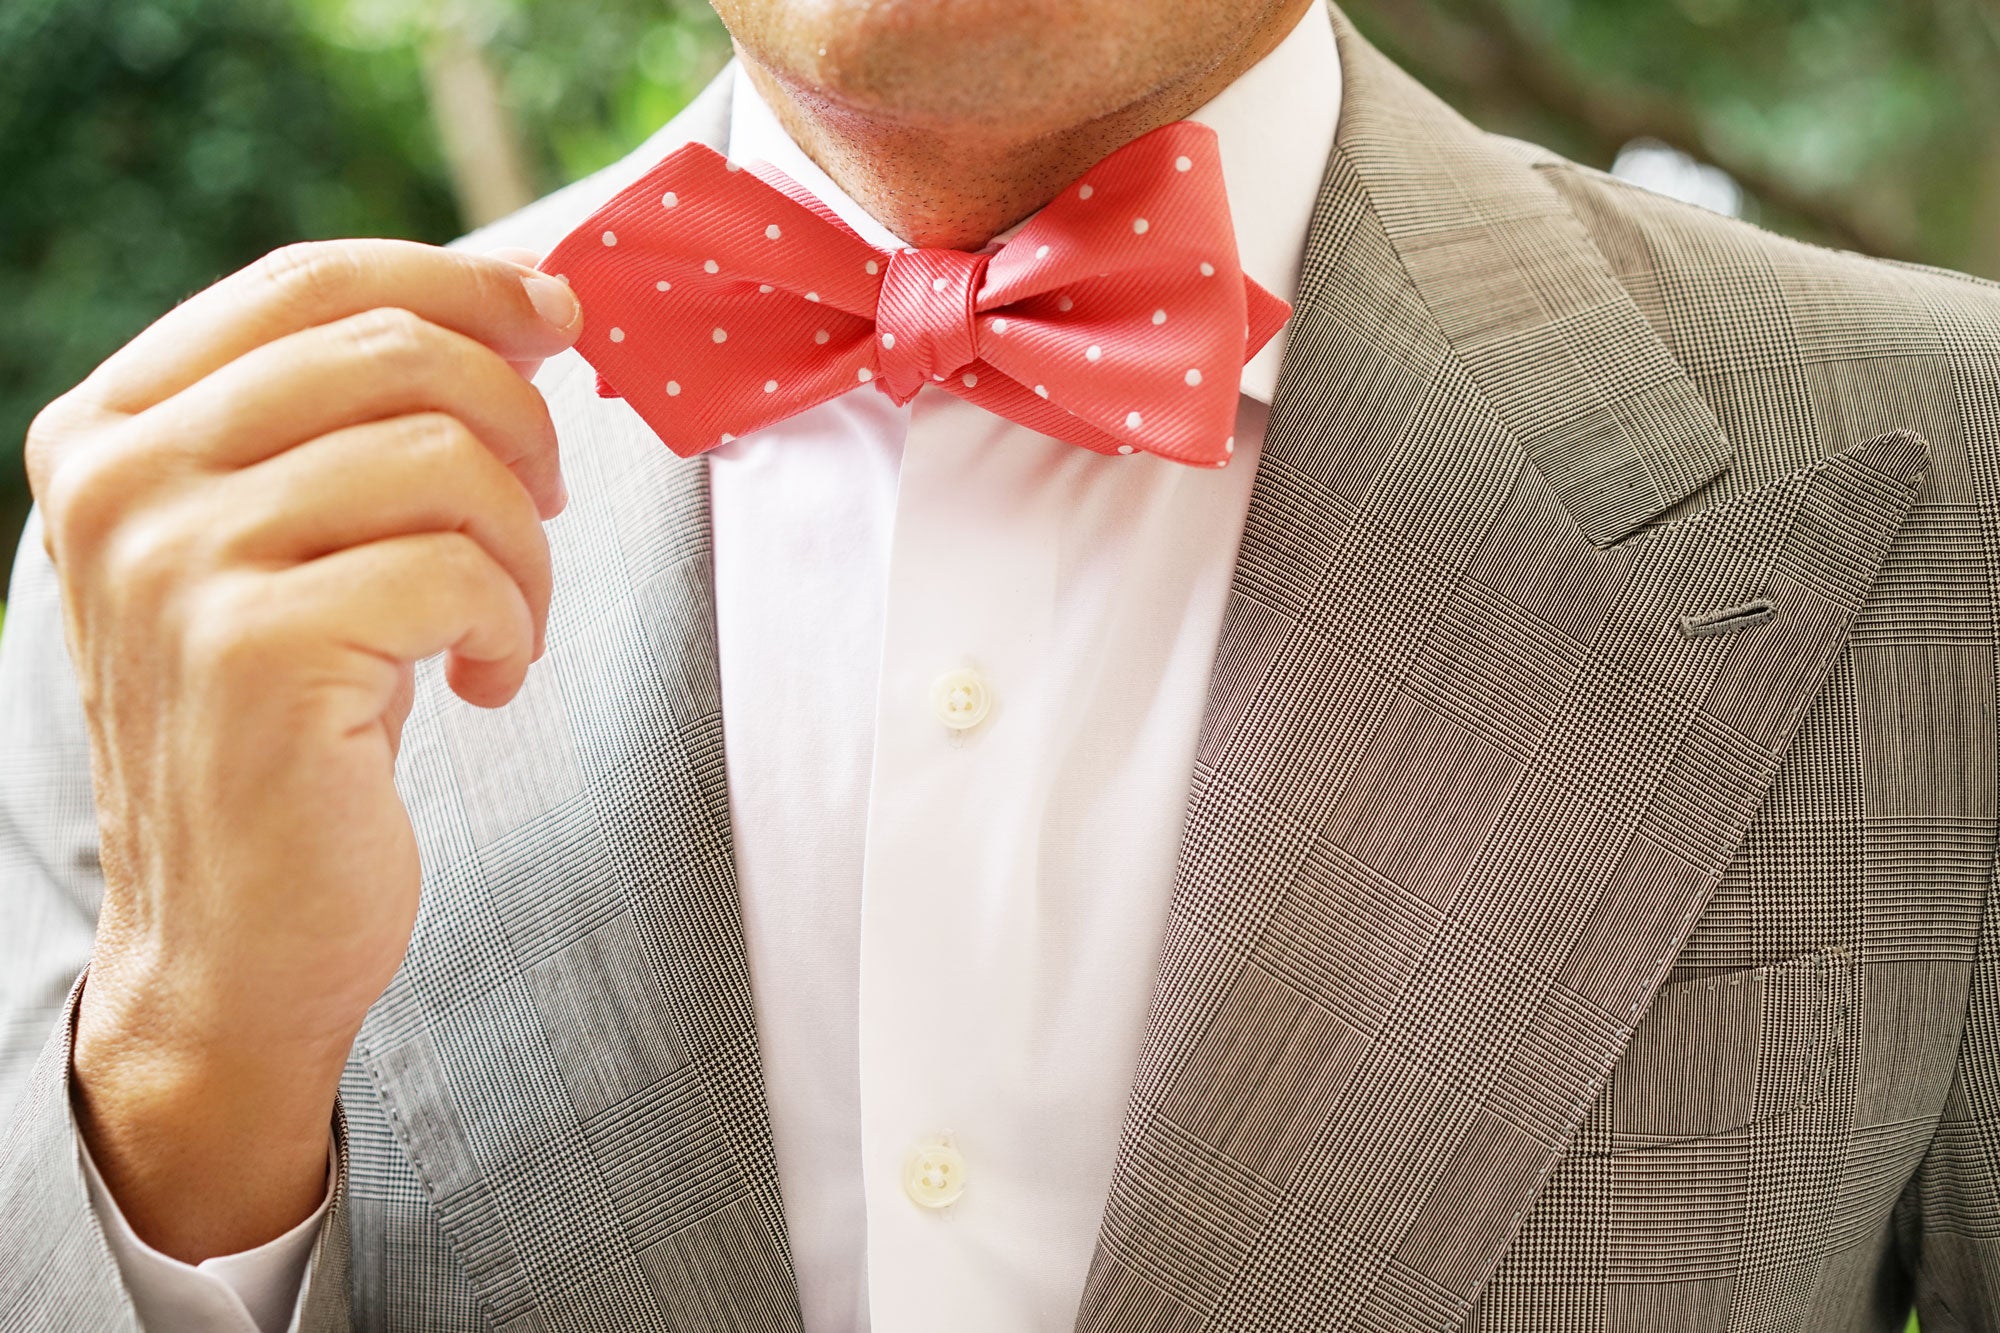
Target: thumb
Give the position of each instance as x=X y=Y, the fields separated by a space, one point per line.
x=526 y=258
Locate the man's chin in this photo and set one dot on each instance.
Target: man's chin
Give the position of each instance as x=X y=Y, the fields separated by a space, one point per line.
x=948 y=64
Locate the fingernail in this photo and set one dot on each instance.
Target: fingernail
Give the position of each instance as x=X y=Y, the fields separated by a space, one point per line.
x=553 y=300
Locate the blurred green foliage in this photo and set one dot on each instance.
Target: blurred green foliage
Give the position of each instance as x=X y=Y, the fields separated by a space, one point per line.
x=585 y=79
x=1867 y=125
x=149 y=146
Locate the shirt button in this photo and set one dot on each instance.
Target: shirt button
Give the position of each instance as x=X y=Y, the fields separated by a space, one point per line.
x=934 y=1173
x=961 y=698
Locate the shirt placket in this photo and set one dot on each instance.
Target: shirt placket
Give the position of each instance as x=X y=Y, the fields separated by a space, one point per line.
x=950 y=862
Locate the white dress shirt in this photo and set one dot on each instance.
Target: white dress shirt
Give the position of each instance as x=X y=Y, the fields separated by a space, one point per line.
x=963 y=669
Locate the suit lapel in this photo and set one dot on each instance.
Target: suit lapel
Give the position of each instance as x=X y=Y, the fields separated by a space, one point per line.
x=1466 y=778
x=568 y=1055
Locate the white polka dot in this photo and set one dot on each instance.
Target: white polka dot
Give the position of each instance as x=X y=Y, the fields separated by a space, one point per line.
x=710 y=266
x=888 y=340
x=1207 y=270
x=939 y=284
x=1000 y=325
x=864 y=374
x=1090 y=353
x=770 y=386
x=732 y=166
x=938 y=378
x=727 y=437
x=721 y=335
x=1042 y=390
x=1159 y=316
x=812 y=296
x=1140 y=226
x=771 y=233
x=1133 y=421
x=1041 y=252
x=969 y=380
x=821 y=337
x=611 y=238
x=669 y=199
x=1084 y=192
x=663 y=286
x=1193 y=377
x=872 y=267
x=1065 y=304
x=1229 y=445
x=1222 y=462
x=765 y=288
x=1183 y=163
x=673 y=388
x=618 y=335
x=1125 y=449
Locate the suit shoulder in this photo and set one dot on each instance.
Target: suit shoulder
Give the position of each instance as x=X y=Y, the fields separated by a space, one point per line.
x=1690 y=269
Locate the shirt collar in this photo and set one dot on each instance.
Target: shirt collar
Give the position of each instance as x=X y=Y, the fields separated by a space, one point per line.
x=1274 y=128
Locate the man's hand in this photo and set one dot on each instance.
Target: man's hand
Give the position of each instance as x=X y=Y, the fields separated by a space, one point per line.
x=263 y=511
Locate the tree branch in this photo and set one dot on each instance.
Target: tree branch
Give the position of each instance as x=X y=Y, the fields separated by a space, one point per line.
x=482 y=145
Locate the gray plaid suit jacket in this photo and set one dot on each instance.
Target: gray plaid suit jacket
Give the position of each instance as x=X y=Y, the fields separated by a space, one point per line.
x=1584 y=919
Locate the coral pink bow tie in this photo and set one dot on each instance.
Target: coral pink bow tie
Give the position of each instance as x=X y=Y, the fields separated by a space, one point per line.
x=1117 y=318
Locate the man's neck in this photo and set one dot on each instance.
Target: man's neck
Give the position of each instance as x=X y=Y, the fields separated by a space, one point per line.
x=956 y=188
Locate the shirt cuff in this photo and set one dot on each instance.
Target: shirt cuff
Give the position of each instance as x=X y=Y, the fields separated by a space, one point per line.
x=254 y=1291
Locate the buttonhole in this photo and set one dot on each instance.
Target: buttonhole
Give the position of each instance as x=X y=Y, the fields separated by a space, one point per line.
x=1727 y=620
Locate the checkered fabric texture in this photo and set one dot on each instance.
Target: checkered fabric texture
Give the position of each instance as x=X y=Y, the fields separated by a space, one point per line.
x=1539 y=959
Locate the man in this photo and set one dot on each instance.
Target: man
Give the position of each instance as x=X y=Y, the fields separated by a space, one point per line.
x=1511 y=850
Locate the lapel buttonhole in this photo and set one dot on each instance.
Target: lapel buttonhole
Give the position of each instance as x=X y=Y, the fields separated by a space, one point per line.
x=1727 y=620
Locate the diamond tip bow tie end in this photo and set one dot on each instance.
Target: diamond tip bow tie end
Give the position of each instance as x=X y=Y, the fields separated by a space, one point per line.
x=1118 y=318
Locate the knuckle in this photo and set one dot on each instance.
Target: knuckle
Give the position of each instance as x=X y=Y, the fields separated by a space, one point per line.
x=308 y=273
x=464 y=558
x=390 y=333
x=471 y=570
x=232 y=633
x=442 y=441
x=84 y=498
x=150 y=553
x=49 y=435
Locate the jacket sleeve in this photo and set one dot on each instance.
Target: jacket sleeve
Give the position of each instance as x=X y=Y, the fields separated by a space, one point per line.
x=1949 y=1218
x=56 y=1268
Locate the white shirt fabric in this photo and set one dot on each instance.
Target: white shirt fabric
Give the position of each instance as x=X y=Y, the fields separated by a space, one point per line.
x=252 y=1290
x=953 y=933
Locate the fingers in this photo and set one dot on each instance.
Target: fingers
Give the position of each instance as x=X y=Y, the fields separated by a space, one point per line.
x=522 y=315
x=527 y=259
x=398 y=601
x=384 y=479
x=329 y=457
x=515 y=254
x=379 y=364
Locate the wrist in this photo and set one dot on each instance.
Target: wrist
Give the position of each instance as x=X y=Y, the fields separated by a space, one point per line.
x=209 y=1146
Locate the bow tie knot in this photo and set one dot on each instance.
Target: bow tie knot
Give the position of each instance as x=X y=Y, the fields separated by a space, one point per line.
x=1117 y=318
x=926 y=319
